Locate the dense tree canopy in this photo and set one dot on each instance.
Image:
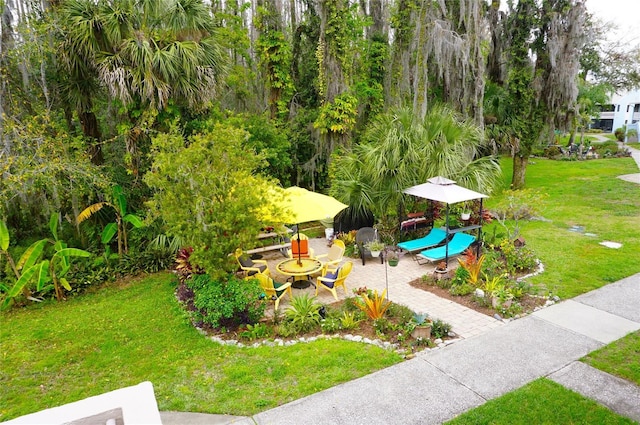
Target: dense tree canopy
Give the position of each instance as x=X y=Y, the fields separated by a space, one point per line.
x=305 y=78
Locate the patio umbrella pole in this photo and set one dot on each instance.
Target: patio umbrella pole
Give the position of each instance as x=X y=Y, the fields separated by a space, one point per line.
x=299 y=253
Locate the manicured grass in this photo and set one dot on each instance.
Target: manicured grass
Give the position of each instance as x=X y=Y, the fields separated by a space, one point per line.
x=635 y=145
x=57 y=353
x=589 y=194
x=620 y=358
x=540 y=402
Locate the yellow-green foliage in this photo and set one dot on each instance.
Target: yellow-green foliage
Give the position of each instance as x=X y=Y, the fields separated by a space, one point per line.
x=373 y=307
x=473 y=266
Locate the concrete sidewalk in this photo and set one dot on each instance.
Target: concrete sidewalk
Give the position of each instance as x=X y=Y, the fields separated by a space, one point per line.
x=440 y=384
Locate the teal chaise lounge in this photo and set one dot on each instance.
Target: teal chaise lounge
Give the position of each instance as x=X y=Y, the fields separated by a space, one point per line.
x=433 y=238
x=456 y=246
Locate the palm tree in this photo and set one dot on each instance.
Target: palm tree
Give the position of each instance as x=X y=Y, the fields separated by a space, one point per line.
x=401 y=150
x=144 y=53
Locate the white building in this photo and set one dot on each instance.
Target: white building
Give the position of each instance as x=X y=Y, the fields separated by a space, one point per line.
x=624 y=110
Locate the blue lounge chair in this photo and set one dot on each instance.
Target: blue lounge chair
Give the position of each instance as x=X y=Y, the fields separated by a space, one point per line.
x=433 y=238
x=457 y=245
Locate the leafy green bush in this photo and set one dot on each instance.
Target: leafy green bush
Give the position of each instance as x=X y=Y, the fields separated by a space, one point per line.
x=552 y=152
x=227 y=303
x=257 y=331
x=88 y=272
x=440 y=329
x=517 y=259
x=493 y=263
x=382 y=325
x=609 y=150
x=619 y=133
x=401 y=312
x=330 y=324
x=460 y=277
x=462 y=289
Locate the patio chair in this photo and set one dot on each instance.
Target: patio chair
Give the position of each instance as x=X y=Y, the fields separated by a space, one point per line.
x=251 y=267
x=275 y=291
x=433 y=238
x=300 y=246
x=333 y=257
x=364 y=235
x=457 y=245
x=332 y=278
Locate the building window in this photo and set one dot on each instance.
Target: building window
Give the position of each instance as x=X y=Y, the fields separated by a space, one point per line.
x=618 y=110
x=636 y=108
x=628 y=108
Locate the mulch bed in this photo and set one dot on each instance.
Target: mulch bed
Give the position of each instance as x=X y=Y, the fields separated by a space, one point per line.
x=528 y=302
x=365 y=328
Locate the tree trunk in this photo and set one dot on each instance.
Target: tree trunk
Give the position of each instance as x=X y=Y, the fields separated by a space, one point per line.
x=90 y=128
x=519 y=171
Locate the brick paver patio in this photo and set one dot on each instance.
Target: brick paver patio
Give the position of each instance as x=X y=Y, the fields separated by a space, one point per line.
x=465 y=322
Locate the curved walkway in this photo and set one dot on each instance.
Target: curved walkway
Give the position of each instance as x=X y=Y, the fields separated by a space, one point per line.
x=635 y=154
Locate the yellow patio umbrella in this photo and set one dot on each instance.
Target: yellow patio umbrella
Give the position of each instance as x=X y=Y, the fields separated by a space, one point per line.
x=305 y=205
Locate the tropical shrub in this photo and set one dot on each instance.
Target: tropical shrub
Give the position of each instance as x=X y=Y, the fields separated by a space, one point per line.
x=374 y=307
x=46 y=273
x=226 y=302
x=119 y=205
x=349 y=239
x=473 y=265
x=303 y=313
x=349 y=320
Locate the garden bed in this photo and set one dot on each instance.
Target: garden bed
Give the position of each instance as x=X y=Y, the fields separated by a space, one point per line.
x=527 y=302
x=392 y=331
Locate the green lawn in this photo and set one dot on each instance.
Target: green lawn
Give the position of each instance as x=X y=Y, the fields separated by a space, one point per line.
x=540 y=402
x=620 y=358
x=585 y=193
x=56 y=353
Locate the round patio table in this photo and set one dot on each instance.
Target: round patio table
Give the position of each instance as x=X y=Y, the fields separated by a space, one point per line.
x=306 y=267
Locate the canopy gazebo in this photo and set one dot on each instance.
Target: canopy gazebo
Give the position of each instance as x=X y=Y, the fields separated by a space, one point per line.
x=443 y=190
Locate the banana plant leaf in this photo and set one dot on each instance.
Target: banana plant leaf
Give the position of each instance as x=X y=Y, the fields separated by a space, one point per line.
x=108 y=233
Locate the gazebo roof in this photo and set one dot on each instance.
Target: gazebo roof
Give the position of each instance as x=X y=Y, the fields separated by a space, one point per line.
x=444 y=190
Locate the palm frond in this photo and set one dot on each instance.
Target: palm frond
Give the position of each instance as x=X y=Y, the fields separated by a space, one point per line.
x=89 y=211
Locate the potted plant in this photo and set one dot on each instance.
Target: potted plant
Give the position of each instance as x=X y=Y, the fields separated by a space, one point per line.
x=465 y=214
x=422 y=327
x=441 y=270
x=393 y=258
x=375 y=247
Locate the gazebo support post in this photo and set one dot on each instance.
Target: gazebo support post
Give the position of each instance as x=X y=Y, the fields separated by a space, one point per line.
x=446 y=245
x=479 y=230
